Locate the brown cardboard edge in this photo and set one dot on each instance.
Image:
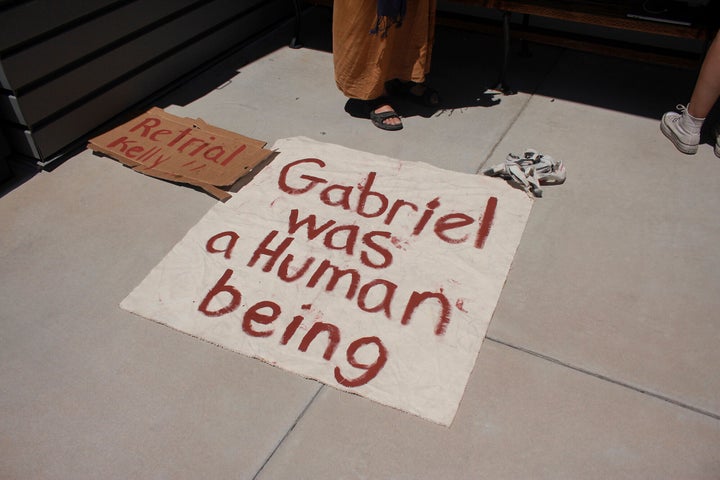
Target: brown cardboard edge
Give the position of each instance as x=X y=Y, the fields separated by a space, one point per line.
x=203 y=125
x=259 y=153
x=216 y=192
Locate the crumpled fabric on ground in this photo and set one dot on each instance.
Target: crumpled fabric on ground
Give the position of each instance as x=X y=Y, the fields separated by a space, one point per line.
x=529 y=171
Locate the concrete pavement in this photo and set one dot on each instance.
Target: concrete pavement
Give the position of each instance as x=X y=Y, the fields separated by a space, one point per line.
x=600 y=362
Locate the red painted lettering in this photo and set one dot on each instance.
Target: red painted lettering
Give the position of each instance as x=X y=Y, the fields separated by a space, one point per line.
x=202 y=147
x=312 y=230
x=160 y=133
x=371 y=203
x=202 y=144
x=147 y=124
x=255 y=315
x=148 y=154
x=366 y=193
x=293 y=326
x=452 y=221
x=343 y=201
x=369 y=240
x=333 y=338
x=285 y=269
x=273 y=254
x=417 y=298
x=335 y=277
x=371 y=370
x=237 y=151
x=427 y=214
x=214 y=154
x=193 y=141
x=221 y=287
x=182 y=135
x=385 y=301
x=395 y=208
x=232 y=239
x=133 y=151
x=313 y=181
x=486 y=222
x=122 y=142
x=348 y=243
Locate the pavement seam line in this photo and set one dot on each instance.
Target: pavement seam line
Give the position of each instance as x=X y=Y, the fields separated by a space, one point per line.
x=482 y=167
x=605 y=378
x=532 y=94
x=290 y=430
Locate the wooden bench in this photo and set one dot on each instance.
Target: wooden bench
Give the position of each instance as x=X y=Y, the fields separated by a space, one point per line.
x=613 y=14
x=609 y=14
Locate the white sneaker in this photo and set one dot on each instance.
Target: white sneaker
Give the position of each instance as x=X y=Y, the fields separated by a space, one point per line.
x=672 y=126
x=717 y=143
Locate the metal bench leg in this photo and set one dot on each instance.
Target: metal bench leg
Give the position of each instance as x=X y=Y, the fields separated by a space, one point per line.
x=502 y=85
x=295 y=42
x=524 y=44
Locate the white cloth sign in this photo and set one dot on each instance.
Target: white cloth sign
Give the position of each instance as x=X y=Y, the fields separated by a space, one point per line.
x=373 y=275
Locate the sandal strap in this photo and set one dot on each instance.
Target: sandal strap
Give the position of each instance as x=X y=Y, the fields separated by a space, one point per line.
x=386 y=115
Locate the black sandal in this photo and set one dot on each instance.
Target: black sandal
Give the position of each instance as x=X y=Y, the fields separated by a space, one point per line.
x=378 y=118
x=429 y=96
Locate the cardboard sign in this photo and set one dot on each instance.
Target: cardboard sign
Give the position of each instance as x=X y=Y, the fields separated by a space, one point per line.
x=182 y=150
x=372 y=275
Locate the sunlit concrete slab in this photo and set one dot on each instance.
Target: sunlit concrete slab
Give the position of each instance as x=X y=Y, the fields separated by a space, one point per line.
x=619 y=267
x=522 y=417
x=91 y=391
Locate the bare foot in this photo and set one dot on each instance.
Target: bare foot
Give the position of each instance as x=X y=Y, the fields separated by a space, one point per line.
x=390 y=120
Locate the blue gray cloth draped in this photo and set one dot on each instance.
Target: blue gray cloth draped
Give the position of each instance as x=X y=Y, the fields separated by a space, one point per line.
x=389 y=13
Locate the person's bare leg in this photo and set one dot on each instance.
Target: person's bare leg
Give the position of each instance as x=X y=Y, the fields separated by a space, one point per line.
x=683 y=129
x=707 y=85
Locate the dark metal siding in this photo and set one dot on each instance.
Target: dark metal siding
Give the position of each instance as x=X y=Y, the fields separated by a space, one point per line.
x=68 y=66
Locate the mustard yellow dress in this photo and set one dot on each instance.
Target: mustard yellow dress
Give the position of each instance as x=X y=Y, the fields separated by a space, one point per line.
x=364 y=61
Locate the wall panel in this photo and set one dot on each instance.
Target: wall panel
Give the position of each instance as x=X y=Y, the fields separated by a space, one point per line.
x=69 y=79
